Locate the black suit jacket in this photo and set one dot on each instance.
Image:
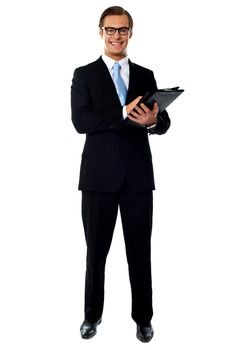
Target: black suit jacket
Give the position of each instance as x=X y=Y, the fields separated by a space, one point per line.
x=115 y=150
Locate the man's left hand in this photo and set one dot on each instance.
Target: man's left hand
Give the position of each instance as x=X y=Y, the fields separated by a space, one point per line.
x=144 y=115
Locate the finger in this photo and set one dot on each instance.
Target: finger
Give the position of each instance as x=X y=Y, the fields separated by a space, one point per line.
x=135 y=119
x=136 y=101
x=139 y=110
x=135 y=114
x=130 y=116
x=144 y=108
x=156 y=108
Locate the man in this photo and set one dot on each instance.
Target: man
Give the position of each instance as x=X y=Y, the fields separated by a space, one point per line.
x=116 y=168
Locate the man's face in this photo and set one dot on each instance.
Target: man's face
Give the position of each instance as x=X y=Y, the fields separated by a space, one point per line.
x=116 y=44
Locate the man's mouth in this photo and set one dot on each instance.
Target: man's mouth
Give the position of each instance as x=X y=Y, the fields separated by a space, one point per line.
x=116 y=43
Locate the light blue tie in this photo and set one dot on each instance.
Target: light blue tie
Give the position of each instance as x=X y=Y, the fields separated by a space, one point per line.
x=120 y=85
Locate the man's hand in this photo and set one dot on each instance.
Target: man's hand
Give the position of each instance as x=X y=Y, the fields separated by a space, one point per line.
x=132 y=104
x=143 y=115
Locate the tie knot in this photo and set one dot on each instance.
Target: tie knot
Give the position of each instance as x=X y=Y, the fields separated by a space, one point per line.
x=117 y=66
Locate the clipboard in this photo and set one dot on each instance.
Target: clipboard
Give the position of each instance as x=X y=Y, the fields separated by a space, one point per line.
x=163 y=97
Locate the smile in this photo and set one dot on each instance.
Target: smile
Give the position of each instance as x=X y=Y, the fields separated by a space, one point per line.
x=116 y=44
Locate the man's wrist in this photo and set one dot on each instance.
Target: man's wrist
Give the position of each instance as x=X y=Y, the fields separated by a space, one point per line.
x=154 y=123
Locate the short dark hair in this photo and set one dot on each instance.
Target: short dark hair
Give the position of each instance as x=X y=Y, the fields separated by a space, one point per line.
x=115 y=11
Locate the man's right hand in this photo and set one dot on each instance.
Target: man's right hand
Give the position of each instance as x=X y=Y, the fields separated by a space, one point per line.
x=132 y=104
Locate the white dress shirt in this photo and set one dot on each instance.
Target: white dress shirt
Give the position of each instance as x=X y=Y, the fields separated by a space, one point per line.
x=125 y=76
x=124 y=73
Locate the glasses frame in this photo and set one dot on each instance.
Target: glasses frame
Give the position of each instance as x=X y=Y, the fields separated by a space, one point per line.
x=117 y=30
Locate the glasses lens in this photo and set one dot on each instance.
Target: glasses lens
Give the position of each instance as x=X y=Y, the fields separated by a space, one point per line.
x=123 y=31
x=110 y=31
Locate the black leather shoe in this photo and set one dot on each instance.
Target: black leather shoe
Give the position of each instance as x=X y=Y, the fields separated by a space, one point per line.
x=88 y=329
x=145 y=333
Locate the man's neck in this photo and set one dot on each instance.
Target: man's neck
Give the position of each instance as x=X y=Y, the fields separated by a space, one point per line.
x=109 y=61
x=116 y=57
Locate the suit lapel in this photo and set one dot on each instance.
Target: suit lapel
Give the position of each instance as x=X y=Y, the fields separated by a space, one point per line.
x=107 y=83
x=132 y=83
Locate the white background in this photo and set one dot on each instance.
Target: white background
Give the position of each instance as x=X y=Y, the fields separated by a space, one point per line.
x=195 y=237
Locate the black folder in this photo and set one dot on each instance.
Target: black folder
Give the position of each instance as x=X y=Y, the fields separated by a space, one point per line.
x=163 y=97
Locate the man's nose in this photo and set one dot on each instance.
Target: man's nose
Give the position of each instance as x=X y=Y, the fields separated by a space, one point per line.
x=116 y=35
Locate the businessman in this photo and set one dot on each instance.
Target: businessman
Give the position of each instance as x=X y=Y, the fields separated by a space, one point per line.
x=116 y=168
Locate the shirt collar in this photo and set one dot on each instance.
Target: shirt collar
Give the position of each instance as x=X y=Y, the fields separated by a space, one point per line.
x=110 y=62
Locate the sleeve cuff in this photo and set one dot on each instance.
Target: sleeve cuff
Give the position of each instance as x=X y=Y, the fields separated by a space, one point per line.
x=124 y=113
x=151 y=126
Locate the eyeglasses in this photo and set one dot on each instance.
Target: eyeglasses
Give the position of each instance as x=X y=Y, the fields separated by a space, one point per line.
x=121 y=30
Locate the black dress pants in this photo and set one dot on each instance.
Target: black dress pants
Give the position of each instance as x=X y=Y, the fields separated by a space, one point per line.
x=99 y=213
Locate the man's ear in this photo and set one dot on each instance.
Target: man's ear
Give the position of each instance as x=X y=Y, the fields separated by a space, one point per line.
x=131 y=33
x=101 y=33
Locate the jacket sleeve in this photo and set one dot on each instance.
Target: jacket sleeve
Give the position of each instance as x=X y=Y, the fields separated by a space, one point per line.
x=85 y=118
x=163 y=122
